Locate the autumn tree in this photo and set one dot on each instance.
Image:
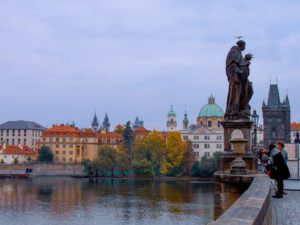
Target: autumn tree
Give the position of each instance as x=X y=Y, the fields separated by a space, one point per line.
x=150 y=151
x=175 y=150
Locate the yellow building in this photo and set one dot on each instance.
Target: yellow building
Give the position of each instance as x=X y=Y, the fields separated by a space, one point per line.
x=70 y=144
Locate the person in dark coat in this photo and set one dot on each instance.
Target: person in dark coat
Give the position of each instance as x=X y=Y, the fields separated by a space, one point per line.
x=279 y=171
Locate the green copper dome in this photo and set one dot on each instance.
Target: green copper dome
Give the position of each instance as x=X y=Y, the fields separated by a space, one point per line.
x=211 y=109
x=171 y=112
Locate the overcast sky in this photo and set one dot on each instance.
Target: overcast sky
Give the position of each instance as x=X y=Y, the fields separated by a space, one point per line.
x=60 y=60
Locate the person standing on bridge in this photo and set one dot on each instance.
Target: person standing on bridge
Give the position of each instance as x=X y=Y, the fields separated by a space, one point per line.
x=279 y=171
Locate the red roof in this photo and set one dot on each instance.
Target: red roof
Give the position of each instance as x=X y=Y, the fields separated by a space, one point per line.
x=16 y=150
x=62 y=130
x=295 y=126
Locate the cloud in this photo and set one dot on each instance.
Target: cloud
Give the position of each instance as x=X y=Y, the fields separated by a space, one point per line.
x=62 y=59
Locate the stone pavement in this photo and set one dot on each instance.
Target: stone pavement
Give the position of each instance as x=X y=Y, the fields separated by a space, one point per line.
x=286 y=211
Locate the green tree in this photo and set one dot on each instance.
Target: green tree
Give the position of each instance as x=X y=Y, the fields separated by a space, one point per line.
x=175 y=150
x=143 y=167
x=209 y=165
x=45 y=154
x=107 y=159
x=122 y=161
x=128 y=138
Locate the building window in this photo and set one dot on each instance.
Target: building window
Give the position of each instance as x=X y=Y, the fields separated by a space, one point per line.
x=71 y=146
x=206 y=146
x=219 y=123
x=64 y=146
x=201 y=123
x=209 y=123
x=25 y=141
x=219 y=146
x=273 y=132
x=219 y=137
x=19 y=133
x=13 y=132
x=63 y=159
x=64 y=139
x=13 y=141
x=196 y=137
x=63 y=152
x=1 y=132
x=24 y=132
x=207 y=154
x=196 y=145
x=56 y=146
x=50 y=139
x=185 y=137
x=70 y=159
x=71 y=152
x=197 y=154
x=7 y=132
x=7 y=141
x=70 y=139
x=206 y=137
x=57 y=152
x=57 y=139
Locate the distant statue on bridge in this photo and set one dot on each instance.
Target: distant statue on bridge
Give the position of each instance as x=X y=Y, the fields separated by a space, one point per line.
x=240 y=88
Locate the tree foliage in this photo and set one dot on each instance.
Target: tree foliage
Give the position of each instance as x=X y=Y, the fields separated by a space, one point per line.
x=173 y=156
x=207 y=165
x=45 y=154
x=107 y=158
x=128 y=138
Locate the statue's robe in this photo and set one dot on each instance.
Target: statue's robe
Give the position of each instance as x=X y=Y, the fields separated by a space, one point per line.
x=240 y=89
x=233 y=61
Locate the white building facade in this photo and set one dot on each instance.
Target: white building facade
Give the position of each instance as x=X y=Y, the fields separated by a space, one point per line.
x=21 y=133
x=207 y=136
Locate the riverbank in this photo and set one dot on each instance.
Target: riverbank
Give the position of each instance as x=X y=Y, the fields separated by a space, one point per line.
x=76 y=171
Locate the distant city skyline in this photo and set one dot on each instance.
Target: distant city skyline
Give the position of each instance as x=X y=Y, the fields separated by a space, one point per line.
x=62 y=60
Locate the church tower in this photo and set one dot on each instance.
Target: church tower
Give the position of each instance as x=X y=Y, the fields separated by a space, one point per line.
x=95 y=123
x=277 y=117
x=171 y=123
x=105 y=124
x=185 y=121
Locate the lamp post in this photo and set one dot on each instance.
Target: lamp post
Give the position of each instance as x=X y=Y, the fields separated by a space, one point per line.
x=255 y=118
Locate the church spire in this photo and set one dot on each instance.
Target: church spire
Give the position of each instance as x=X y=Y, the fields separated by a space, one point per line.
x=95 y=123
x=105 y=124
x=185 y=121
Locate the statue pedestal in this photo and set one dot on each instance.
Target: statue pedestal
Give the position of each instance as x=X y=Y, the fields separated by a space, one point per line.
x=229 y=126
x=238 y=166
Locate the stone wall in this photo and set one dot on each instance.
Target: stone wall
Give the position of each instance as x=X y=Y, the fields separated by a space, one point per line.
x=43 y=169
x=253 y=207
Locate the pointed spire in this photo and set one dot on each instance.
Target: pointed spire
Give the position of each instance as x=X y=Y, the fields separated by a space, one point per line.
x=105 y=124
x=185 y=120
x=95 y=123
x=287 y=101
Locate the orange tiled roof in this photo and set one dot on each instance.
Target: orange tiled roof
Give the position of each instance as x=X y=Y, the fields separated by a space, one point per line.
x=141 y=130
x=62 y=130
x=16 y=150
x=295 y=126
x=110 y=135
x=88 y=132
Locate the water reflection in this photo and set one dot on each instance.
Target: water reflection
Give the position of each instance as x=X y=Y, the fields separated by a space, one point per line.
x=106 y=201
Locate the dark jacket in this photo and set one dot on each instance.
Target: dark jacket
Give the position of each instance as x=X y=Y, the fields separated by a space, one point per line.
x=280 y=169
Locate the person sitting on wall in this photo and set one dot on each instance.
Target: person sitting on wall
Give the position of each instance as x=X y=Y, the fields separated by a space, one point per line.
x=278 y=169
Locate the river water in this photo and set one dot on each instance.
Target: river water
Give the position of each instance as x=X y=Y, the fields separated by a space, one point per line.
x=68 y=201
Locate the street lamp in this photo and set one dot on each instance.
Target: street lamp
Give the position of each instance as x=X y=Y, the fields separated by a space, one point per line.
x=255 y=118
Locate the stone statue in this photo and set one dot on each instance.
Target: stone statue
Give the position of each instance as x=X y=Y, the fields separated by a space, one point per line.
x=240 y=88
